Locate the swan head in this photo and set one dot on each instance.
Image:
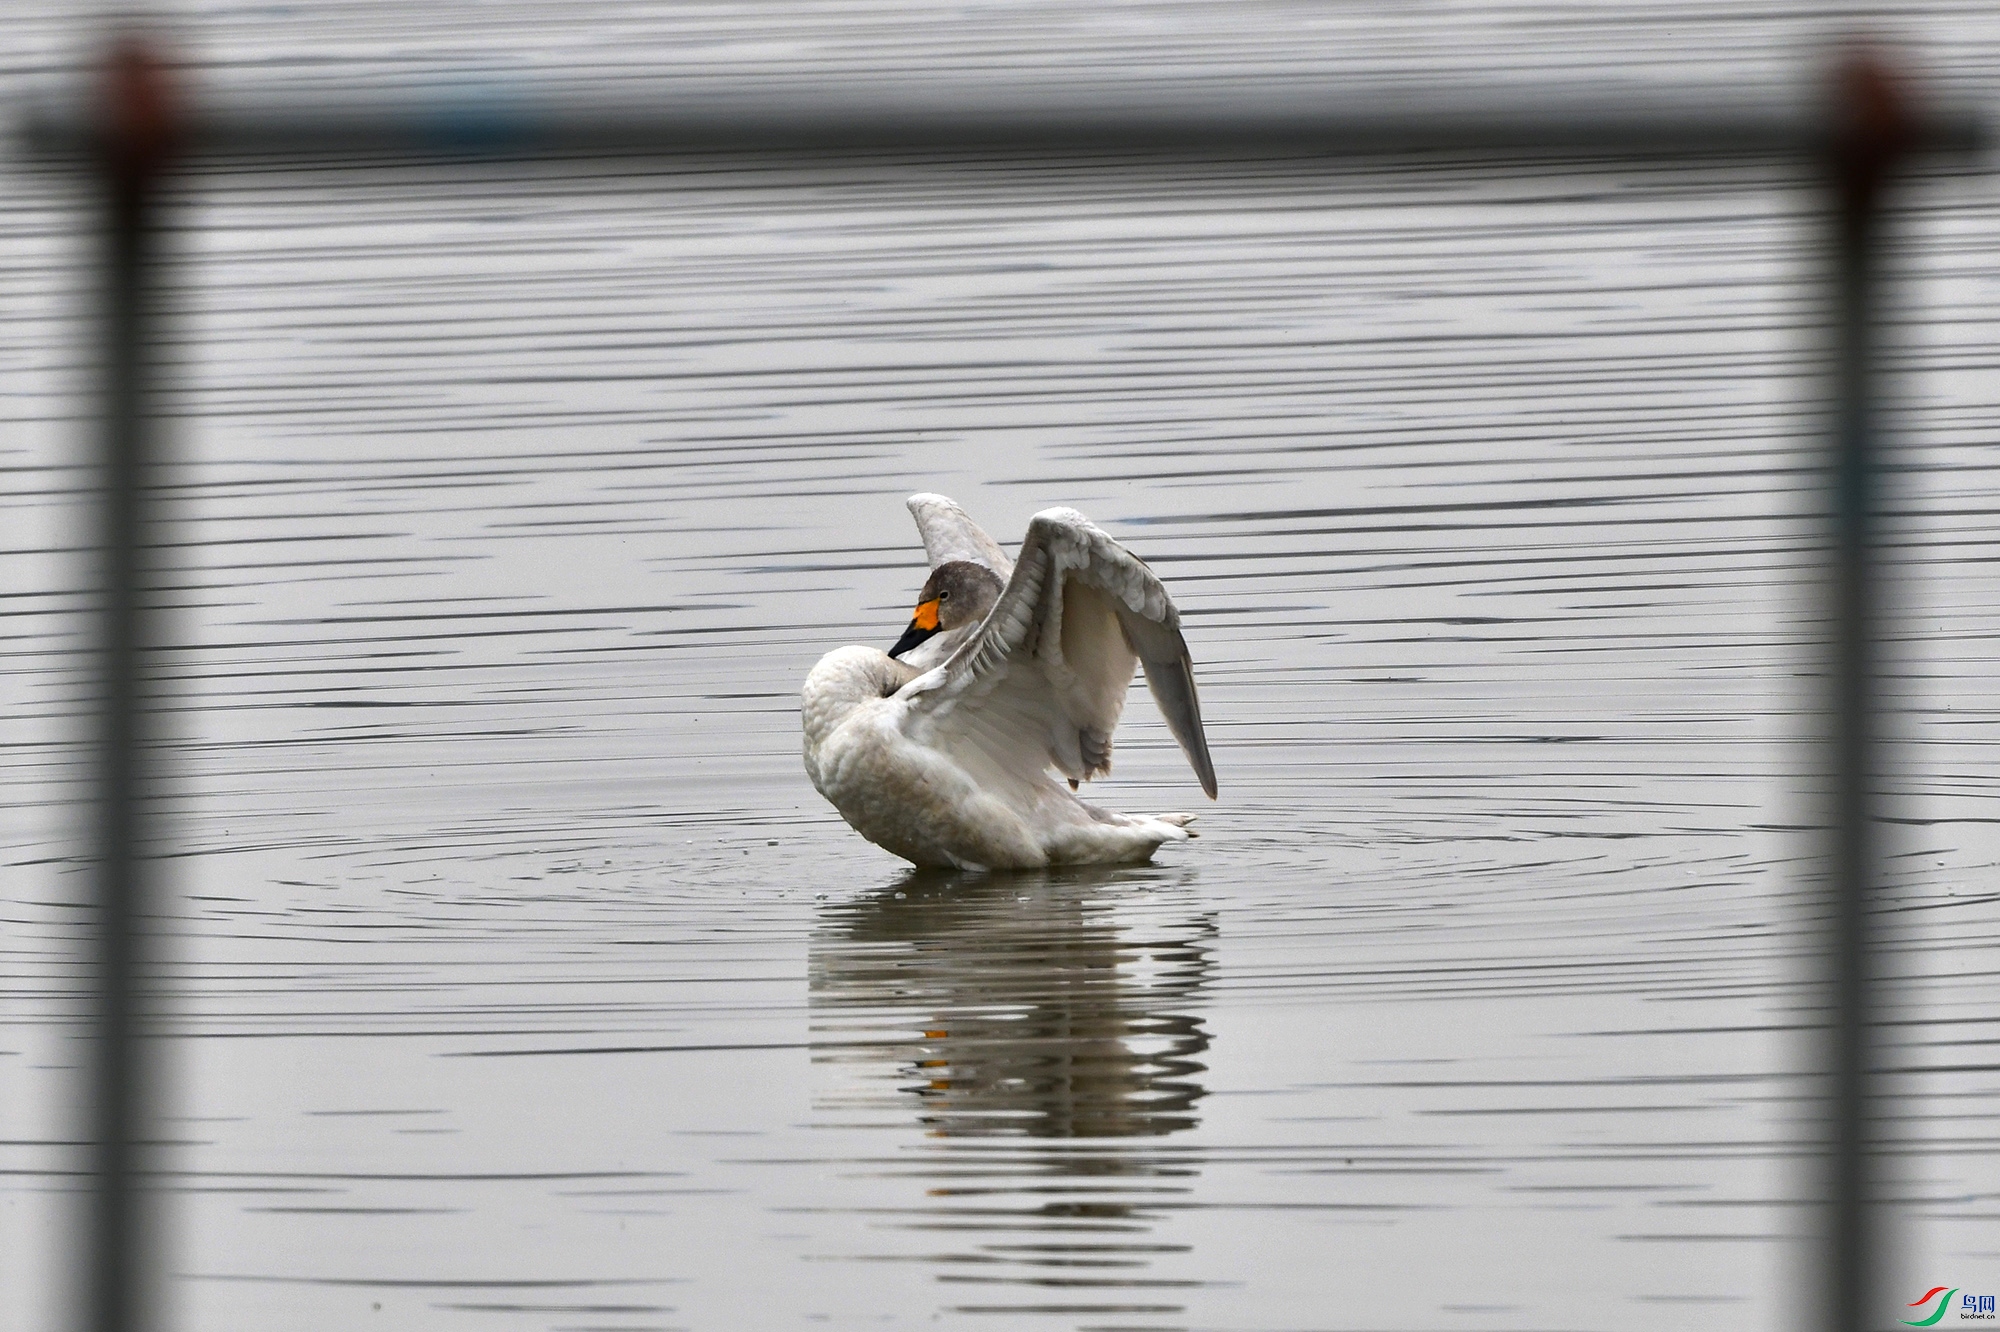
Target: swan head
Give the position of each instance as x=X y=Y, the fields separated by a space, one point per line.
x=957 y=595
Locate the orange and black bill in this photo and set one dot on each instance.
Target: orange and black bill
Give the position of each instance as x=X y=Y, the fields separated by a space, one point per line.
x=922 y=625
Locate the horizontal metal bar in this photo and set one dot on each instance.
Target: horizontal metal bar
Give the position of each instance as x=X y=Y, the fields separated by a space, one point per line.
x=1204 y=123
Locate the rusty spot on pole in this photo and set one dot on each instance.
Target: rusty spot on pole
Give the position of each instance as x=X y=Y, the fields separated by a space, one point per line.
x=1875 y=128
x=141 y=126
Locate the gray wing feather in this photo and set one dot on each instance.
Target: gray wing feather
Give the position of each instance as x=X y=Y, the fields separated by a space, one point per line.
x=949 y=534
x=1152 y=625
x=1172 y=683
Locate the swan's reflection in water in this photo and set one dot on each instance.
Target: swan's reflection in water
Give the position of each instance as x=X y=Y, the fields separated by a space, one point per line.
x=1044 y=1032
x=1054 y=1005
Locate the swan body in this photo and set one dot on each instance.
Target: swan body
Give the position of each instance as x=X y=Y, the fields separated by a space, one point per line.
x=945 y=750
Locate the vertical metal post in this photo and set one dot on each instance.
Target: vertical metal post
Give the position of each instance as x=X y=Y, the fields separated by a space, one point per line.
x=1873 y=134
x=134 y=151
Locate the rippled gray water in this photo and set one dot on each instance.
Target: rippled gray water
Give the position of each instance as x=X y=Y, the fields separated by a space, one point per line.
x=518 y=979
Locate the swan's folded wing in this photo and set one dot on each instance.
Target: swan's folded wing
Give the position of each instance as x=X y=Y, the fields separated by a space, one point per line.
x=1043 y=681
x=949 y=534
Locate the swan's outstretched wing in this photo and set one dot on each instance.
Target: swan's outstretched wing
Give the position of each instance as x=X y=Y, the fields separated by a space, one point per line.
x=1043 y=680
x=950 y=534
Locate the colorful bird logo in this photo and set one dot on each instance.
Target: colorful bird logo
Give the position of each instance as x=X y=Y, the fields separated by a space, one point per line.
x=1925 y=1298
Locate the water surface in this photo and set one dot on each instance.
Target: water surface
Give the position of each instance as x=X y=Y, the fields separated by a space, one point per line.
x=518 y=978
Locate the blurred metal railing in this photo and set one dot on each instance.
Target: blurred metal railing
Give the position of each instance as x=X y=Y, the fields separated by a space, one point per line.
x=1863 y=130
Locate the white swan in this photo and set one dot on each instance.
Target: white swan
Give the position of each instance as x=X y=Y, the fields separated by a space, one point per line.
x=940 y=750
